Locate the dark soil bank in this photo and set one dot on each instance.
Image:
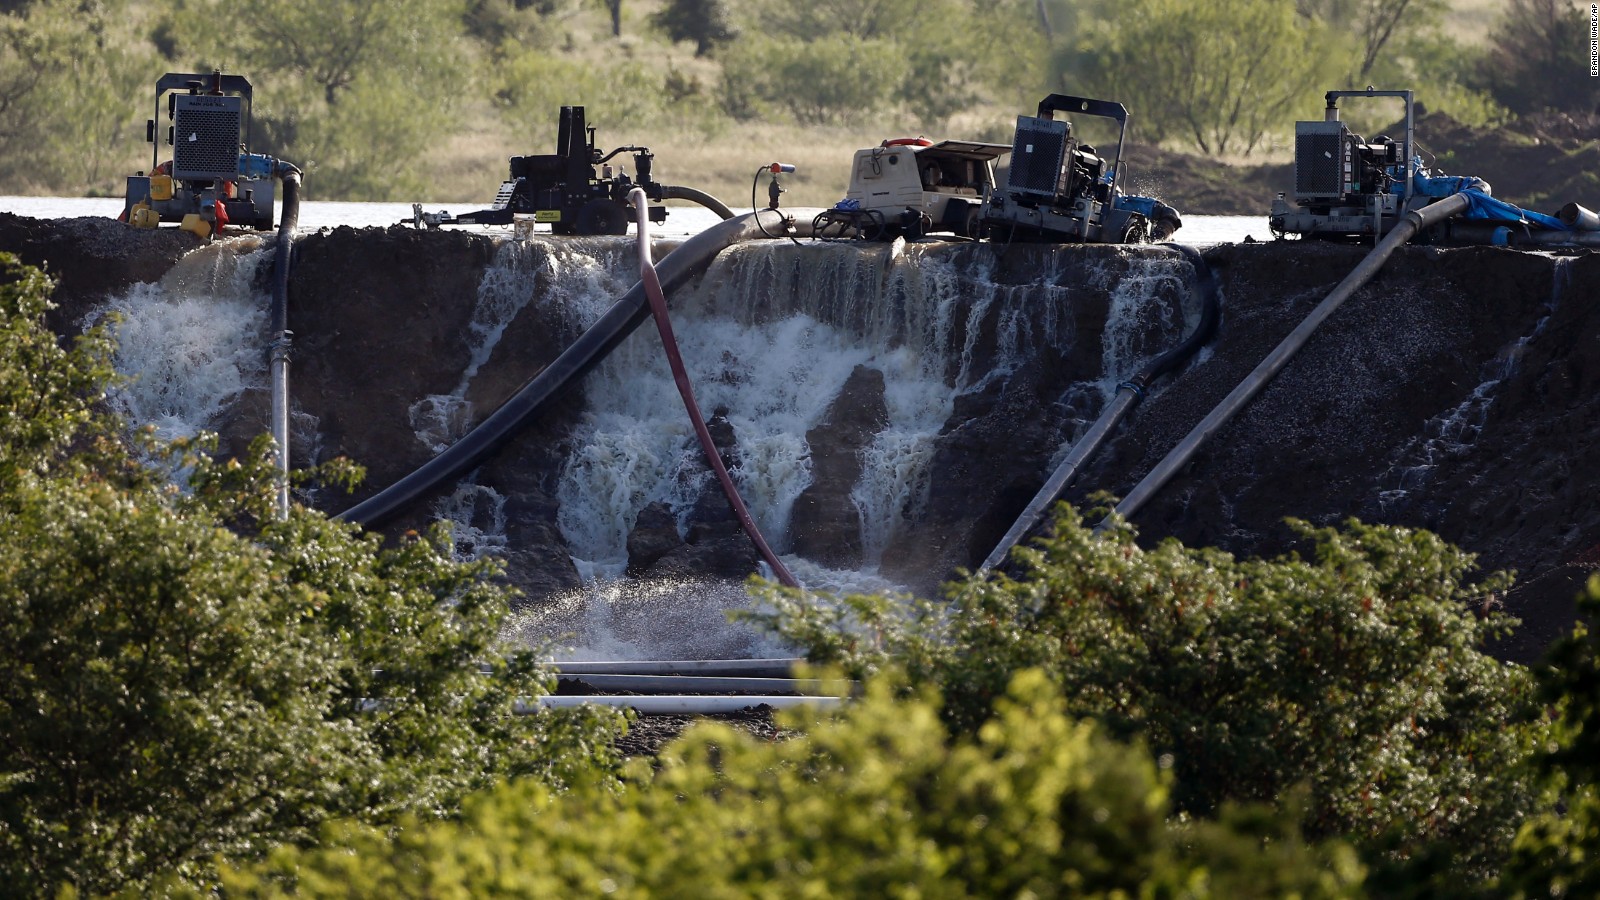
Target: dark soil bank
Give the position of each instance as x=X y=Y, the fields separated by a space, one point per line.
x=1457 y=392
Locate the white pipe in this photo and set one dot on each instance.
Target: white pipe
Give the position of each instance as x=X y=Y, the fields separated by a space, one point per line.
x=676 y=705
x=755 y=668
x=676 y=684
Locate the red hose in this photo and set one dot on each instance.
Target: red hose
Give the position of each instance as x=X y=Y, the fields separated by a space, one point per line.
x=658 y=309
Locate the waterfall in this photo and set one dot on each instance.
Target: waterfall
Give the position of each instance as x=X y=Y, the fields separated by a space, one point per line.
x=770 y=335
x=578 y=279
x=192 y=345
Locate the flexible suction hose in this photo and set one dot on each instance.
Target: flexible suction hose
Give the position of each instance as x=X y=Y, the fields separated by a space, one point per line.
x=1247 y=389
x=680 y=376
x=1129 y=393
x=282 y=337
x=679 y=192
x=525 y=407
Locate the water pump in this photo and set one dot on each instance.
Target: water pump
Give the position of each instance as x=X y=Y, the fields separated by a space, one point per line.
x=1060 y=188
x=212 y=179
x=563 y=190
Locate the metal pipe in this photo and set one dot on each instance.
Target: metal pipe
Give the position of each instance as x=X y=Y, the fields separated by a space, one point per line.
x=282 y=337
x=751 y=668
x=679 y=192
x=675 y=705
x=1578 y=217
x=677 y=684
x=525 y=406
x=1128 y=394
x=1246 y=390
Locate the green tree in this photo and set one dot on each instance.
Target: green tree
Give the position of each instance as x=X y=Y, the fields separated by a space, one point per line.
x=73 y=93
x=353 y=92
x=706 y=22
x=1221 y=75
x=1539 y=59
x=1358 y=674
x=878 y=801
x=183 y=675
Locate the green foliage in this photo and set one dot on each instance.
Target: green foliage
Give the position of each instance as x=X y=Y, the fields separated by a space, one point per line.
x=183 y=675
x=353 y=92
x=70 y=92
x=1558 y=854
x=825 y=81
x=535 y=85
x=1221 y=75
x=838 y=61
x=878 y=801
x=1358 y=673
x=707 y=23
x=1539 y=58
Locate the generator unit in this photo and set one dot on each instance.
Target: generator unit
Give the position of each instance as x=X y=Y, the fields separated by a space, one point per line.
x=1346 y=187
x=212 y=179
x=911 y=187
x=1061 y=189
x=562 y=189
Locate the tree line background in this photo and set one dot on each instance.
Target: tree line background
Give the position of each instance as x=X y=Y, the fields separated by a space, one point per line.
x=414 y=99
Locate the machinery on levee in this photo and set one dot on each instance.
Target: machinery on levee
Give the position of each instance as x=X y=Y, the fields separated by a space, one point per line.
x=213 y=179
x=563 y=190
x=1060 y=188
x=1346 y=187
x=912 y=187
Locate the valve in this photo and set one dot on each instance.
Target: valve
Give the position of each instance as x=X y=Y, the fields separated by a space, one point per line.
x=774 y=189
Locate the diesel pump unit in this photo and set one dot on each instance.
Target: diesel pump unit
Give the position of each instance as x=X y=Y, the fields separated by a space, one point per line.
x=212 y=179
x=563 y=189
x=1060 y=188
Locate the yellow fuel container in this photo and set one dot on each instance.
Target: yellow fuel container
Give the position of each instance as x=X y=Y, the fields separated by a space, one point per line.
x=142 y=216
x=160 y=187
x=199 y=226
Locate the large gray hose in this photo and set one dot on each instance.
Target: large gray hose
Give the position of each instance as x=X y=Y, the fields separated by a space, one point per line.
x=1128 y=393
x=593 y=345
x=679 y=192
x=282 y=337
x=1247 y=389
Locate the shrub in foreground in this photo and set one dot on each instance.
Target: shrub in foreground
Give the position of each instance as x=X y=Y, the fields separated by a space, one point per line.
x=183 y=675
x=1358 y=673
x=878 y=801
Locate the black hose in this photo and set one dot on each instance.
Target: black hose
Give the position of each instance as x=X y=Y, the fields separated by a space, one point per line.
x=1205 y=288
x=679 y=192
x=287 y=223
x=589 y=349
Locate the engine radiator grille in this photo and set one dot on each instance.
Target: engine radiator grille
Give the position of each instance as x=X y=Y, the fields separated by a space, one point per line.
x=1037 y=155
x=205 y=137
x=1321 y=159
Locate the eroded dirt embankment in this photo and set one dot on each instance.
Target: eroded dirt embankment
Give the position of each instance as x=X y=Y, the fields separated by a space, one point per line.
x=1457 y=392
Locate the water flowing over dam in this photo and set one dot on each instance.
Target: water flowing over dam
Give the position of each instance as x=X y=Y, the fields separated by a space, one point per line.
x=886 y=410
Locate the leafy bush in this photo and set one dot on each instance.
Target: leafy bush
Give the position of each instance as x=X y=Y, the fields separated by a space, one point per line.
x=831 y=80
x=183 y=675
x=1558 y=854
x=1358 y=674
x=876 y=802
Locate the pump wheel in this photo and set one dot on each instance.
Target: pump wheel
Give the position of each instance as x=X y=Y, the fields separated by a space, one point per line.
x=602 y=217
x=1136 y=232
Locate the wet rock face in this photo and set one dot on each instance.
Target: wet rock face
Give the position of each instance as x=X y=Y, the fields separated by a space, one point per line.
x=1459 y=391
